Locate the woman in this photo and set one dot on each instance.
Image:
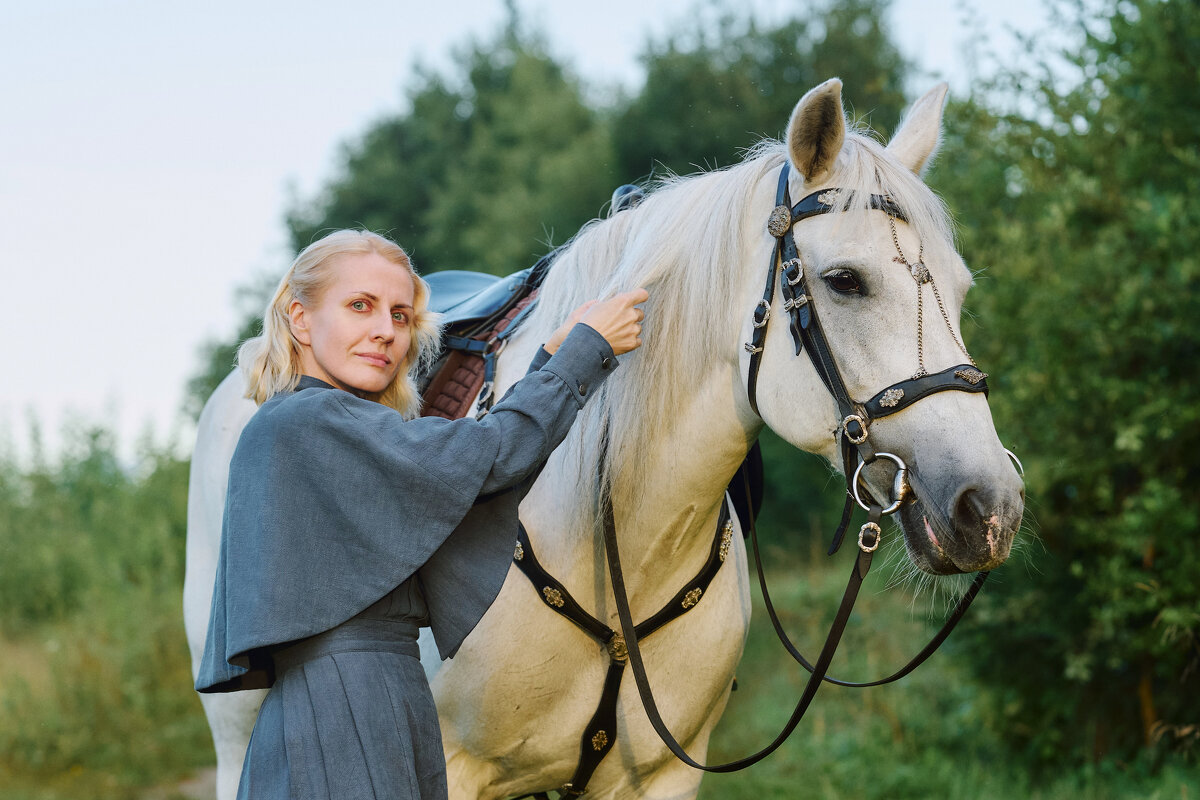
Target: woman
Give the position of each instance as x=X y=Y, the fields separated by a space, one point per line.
x=348 y=523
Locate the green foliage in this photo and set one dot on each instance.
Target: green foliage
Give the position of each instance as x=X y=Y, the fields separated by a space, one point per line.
x=923 y=737
x=713 y=91
x=94 y=673
x=1082 y=212
x=486 y=170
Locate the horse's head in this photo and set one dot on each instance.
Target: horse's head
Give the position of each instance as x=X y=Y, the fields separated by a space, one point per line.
x=883 y=280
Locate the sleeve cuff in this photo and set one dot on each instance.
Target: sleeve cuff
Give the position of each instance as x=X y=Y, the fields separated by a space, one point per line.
x=582 y=362
x=539 y=360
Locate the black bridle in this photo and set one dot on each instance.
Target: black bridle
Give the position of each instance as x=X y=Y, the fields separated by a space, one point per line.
x=787 y=270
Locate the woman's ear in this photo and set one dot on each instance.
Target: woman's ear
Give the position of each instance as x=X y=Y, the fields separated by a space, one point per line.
x=298 y=322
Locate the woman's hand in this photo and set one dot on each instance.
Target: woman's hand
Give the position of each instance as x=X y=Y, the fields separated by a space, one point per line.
x=617 y=319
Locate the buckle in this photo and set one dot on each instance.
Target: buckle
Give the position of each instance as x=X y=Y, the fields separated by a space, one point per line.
x=790 y=265
x=876 y=534
x=862 y=425
x=761 y=321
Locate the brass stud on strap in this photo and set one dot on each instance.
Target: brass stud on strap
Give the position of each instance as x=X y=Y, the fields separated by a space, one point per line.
x=617 y=650
x=891 y=398
x=726 y=540
x=519 y=553
x=553 y=596
x=780 y=221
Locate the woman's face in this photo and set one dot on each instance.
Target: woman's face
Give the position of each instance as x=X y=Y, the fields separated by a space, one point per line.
x=356 y=336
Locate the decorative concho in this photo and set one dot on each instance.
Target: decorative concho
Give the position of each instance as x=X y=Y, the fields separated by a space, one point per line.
x=691 y=598
x=617 y=649
x=519 y=553
x=553 y=596
x=828 y=198
x=970 y=375
x=780 y=221
x=599 y=741
x=726 y=540
x=920 y=272
x=891 y=398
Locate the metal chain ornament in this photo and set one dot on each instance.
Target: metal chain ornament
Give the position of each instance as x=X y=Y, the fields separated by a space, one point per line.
x=921 y=275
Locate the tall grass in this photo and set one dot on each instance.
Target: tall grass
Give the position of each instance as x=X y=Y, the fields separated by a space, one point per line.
x=95 y=697
x=95 y=684
x=926 y=736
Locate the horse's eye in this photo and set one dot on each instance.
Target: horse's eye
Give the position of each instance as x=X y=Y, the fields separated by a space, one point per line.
x=844 y=281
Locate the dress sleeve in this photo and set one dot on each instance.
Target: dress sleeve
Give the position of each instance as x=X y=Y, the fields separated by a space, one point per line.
x=527 y=433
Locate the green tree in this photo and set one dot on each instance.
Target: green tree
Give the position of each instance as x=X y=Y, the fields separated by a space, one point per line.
x=537 y=162
x=718 y=88
x=1082 y=212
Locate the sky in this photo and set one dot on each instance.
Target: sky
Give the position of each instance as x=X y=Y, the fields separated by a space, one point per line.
x=149 y=151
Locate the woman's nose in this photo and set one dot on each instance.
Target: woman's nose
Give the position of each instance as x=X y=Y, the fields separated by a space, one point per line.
x=382 y=328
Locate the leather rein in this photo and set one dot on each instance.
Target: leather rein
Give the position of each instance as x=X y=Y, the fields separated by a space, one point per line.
x=787 y=270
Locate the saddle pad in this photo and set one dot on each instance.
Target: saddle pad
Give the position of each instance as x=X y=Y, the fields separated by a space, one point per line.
x=452 y=390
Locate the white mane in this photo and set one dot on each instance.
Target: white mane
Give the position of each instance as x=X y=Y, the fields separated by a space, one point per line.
x=681 y=243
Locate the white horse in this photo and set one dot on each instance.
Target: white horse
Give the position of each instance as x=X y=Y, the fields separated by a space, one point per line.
x=516 y=698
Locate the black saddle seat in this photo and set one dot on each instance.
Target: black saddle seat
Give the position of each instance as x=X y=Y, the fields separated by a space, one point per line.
x=451 y=288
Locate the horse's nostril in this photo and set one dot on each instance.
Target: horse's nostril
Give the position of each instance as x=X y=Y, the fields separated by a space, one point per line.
x=970 y=511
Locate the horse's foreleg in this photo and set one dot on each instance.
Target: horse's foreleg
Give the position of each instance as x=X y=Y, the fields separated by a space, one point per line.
x=231 y=717
x=466 y=776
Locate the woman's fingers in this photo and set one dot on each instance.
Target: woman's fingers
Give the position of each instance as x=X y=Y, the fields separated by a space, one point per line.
x=618 y=319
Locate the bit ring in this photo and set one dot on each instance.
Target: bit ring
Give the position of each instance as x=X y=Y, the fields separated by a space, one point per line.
x=900 y=487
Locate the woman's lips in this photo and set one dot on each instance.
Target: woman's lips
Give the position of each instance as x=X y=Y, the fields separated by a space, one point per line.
x=375 y=359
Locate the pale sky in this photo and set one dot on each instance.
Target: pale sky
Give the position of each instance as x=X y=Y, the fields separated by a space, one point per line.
x=149 y=149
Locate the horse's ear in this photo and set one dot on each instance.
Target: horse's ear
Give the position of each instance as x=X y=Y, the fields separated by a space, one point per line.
x=917 y=139
x=816 y=131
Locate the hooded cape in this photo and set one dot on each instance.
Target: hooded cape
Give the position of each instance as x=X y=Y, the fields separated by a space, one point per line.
x=333 y=501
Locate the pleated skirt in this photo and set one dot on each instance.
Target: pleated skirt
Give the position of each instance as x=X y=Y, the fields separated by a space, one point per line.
x=350 y=717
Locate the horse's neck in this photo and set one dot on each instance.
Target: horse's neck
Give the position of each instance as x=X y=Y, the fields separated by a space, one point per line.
x=664 y=534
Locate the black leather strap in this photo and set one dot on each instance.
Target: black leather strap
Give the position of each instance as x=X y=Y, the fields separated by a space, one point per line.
x=899 y=396
x=862 y=566
x=601 y=732
x=599 y=735
x=557 y=598
x=813 y=204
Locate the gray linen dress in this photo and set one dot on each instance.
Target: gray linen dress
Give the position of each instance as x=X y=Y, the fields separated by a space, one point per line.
x=346 y=527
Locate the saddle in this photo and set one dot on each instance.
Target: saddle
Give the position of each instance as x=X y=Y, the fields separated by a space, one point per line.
x=479 y=312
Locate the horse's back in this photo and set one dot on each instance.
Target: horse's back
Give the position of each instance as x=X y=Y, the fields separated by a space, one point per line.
x=225 y=414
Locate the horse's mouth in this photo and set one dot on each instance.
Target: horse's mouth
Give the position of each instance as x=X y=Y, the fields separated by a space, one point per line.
x=972 y=542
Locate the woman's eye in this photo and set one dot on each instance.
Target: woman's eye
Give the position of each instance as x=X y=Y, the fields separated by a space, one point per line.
x=844 y=282
x=359 y=305
x=400 y=317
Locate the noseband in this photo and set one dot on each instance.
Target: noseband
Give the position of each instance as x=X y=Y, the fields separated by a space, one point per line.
x=787 y=269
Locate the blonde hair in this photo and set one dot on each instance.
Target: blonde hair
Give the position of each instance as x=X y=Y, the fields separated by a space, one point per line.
x=270 y=363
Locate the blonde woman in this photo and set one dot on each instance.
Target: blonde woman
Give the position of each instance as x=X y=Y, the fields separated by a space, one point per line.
x=349 y=523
